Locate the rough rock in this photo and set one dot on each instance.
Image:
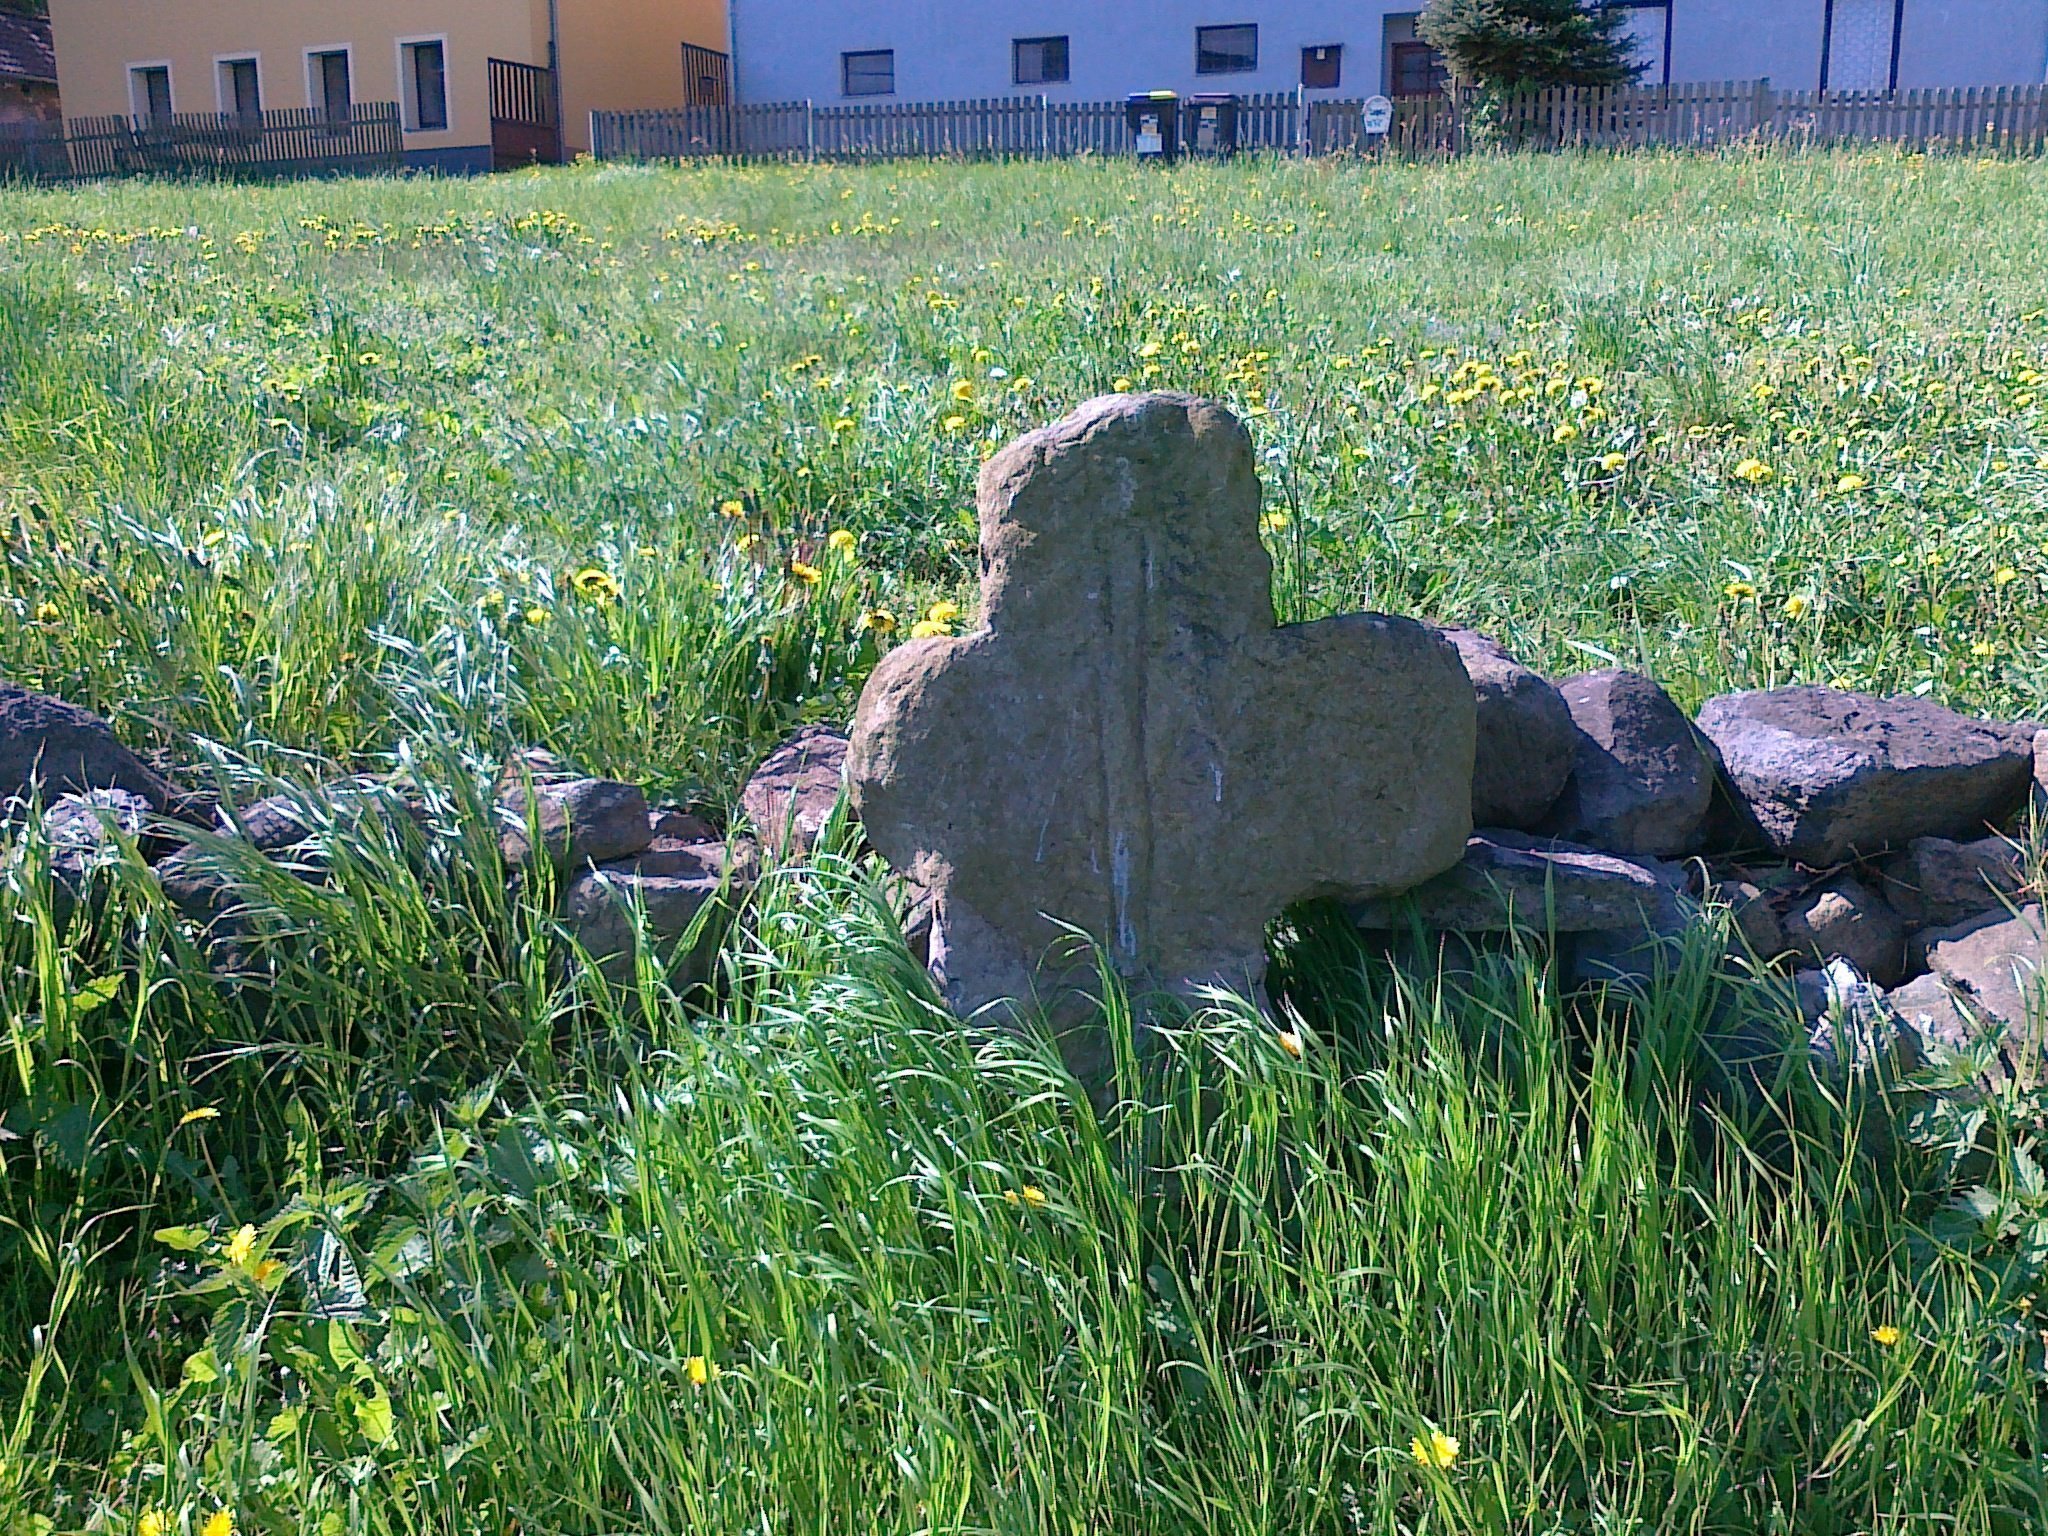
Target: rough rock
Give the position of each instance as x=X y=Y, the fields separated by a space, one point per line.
x=84 y=833
x=1937 y=1015
x=580 y=821
x=1526 y=742
x=1635 y=957
x=1936 y=882
x=1850 y=1025
x=1642 y=777
x=289 y=828
x=57 y=748
x=793 y=791
x=1131 y=745
x=2039 y=796
x=1507 y=881
x=1844 y=919
x=1993 y=963
x=1827 y=774
x=669 y=885
x=1755 y=918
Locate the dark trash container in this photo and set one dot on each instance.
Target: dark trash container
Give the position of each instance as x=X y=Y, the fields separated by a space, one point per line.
x=1154 y=119
x=1211 y=127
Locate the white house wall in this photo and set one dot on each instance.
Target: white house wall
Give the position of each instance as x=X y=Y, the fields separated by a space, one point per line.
x=789 y=50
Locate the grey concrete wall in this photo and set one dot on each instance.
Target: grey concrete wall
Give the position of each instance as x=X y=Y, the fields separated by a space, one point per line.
x=789 y=50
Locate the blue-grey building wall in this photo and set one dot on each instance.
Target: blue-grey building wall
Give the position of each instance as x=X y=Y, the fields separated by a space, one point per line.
x=791 y=50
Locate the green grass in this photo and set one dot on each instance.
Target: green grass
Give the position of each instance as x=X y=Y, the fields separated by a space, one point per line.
x=303 y=479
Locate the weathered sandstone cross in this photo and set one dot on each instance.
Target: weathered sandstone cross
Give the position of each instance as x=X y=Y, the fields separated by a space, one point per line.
x=1130 y=745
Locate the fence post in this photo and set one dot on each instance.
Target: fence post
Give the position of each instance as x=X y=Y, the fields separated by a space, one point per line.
x=1766 y=108
x=810 y=132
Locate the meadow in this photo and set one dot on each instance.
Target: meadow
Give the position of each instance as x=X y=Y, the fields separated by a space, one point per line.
x=435 y=1231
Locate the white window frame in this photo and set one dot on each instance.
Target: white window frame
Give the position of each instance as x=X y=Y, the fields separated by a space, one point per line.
x=221 y=98
x=408 y=85
x=316 y=98
x=138 y=111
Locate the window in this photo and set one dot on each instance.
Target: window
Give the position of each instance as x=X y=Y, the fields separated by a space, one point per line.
x=1226 y=50
x=872 y=73
x=424 y=78
x=1416 y=69
x=241 y=94
x=327 y=85
x=149 y=92
x=1039 y=60
x=1322 y=69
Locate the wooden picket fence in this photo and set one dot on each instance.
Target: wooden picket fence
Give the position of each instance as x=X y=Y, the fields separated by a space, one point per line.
x=304 y=141
x=1710 y=114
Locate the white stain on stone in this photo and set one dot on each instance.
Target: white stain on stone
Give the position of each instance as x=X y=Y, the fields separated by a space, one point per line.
x=1120 y=881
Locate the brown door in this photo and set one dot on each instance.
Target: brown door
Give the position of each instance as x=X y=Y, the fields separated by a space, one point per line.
x=524 y=127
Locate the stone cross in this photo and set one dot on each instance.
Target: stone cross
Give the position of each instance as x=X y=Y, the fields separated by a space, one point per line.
x=1131 y=745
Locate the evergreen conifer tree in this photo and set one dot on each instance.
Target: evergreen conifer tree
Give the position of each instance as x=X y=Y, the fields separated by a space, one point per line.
x=1501 y=46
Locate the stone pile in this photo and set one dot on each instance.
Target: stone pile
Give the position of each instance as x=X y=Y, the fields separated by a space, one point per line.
x=612 y=854
x=1131 y=748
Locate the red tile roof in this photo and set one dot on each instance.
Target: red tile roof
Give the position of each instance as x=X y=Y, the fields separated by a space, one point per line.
x=25 y=50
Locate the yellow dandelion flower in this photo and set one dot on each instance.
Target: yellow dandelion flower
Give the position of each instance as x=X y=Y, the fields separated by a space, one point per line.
x=48 y=613
x=538 y=615
x=1886 y=1335
x=843 y=424
x=945 y=611
x=1740 y=591
x=1983 y=650
x=1029 y=1194
x=841 y=542
x=746 y=544
x=1798 y=606
x=809 y=575
x=597 y=585
x=1755 y=471
x=154 y=1522
x=879 y=620
x=1291 y=1043
x=2004 y=576
x=702 y=1372
x=1121 y=386
x=1273 y=522
x=1437 y=1451
x=1565 y=433
x=925 y=629
x=963 y=390
x=242 y=1245
x=1610 y=462
x=954 y=423
x=1151 y=349
x=1849 y=483
x=732 y=508
x=204 y=1112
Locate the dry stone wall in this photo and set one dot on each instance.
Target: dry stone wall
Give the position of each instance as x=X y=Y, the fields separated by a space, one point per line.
x=1132 y=749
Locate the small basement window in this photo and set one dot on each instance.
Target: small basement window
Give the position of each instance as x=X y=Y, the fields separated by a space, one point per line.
x=1226 y=50
x=869 y=73
x=1039 y=60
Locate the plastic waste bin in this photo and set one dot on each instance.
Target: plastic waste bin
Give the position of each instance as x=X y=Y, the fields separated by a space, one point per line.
x=1154 y=119
x=1211 y=128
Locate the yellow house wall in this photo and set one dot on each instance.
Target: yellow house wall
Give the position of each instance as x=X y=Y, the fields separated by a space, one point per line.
x=627 y=55
x=97 y=41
